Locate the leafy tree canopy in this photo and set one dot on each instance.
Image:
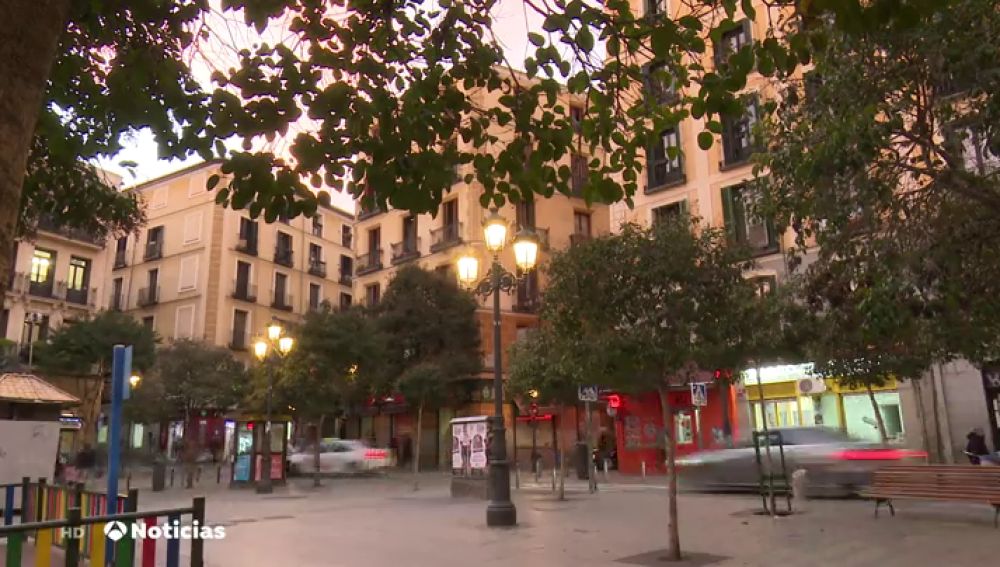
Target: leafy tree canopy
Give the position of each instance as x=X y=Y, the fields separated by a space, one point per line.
x=189 y=376
x=84 y=347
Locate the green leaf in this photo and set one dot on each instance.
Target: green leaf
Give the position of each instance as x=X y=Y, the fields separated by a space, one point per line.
x=705 y=140
x=585 y=39
x=536 y=39
x=556 y=22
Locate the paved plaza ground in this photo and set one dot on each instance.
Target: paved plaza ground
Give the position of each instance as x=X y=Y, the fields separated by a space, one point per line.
x=382 y=522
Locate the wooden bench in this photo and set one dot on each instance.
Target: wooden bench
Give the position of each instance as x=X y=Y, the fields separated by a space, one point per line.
x=936 y=482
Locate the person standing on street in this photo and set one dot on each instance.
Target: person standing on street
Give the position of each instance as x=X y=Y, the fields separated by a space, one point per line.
x=976 y=447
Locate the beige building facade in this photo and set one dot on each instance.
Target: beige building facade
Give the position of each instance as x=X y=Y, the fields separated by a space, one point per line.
x=200 y=271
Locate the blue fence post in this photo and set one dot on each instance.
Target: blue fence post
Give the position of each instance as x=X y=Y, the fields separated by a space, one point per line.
x=8 y=506
x=121 y=363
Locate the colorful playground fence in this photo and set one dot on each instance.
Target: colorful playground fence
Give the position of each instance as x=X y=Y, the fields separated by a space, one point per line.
x=75 y=519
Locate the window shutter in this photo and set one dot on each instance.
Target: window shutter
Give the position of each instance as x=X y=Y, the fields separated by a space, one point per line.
x=728 y=213
x=189 y=274
x=746 y=32
x=192 y=227
x=159 y=198
x=184 y=322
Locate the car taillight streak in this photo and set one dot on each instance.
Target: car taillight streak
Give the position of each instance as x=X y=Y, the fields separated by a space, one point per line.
x=878 y=454
x=374 y=454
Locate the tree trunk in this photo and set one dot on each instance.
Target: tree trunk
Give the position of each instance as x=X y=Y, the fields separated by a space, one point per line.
x=673 y=527
x=562 y=453
x=29 y=37
x=921 y=415
x=319 y=435
x=878 y=415
x=416 y=450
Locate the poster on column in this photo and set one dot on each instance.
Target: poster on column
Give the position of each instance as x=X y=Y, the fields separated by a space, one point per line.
x=478 y=434
x=457 y=444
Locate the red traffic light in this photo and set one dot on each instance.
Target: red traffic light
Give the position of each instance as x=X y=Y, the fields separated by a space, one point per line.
x=614 y=401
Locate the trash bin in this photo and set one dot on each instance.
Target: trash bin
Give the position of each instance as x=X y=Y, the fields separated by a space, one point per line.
x=159 y=475
x=581 y=460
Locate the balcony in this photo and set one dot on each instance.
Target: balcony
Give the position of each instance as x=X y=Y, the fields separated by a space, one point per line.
x=282 y=301
x=121 y=259
x=317 y=268
x=405 y=250
x=247 y=245
x=446 y=236
x=370 y=262
x=48 y=224
x=366 y=212
x=527 y=304
x=79 y=296
x=239 y=339
x=148 y=296
x=245 y=291
x=48 y=288
x=346 y=278
x=116 y=303
x=283 y=256
x=154 y=250
x=579 y=238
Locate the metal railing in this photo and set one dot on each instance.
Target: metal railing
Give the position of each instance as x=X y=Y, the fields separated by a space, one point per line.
x=239 y=339
x=370 y=262
x=346 y=278
x=317 y=268
x=48 y=288
x=48 y=224
x=244 y=291
x=247 y=245
x=446 y=236
x=79 y=296
x=148 y=296
x=282 y=301
x=116 y=303
x=121 y=259
x=578 y=238
x=283 y=256
x=408 y=249
x=153 y=250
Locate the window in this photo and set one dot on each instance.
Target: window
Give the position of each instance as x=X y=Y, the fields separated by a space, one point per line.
x=280 y=288
x=315 y=254
x=581 y=223
x=240 y=338
x=188 y=279
x=450 y=215
x=346 y=235
x=36 y=328
x=669 y=213
x=576 y=117
x=374 y=240
x=150 y=294
x=737 y=134
x=243 y=289
x=117 y=301
x=154 y=243
x=346 y=268
x=732 y=41
x=315 y=296
x=659 y=84
x=43 y=265
x=579 y=173
x=78 y=280
x=121 y=252
x=525 y=214
x=148 y=322
x=283 y=218
x=684 y=428
x=159 y=198
x=184 y=322
x=657 y=7
x=345 y=300
x=743 y=225
x=283 y=249
x=196 y=185
x=665 y=164
x=765 y=284
x=317 y=225
x=192 y=227
x=410 y=232
x=373 y=294
x=153 y=277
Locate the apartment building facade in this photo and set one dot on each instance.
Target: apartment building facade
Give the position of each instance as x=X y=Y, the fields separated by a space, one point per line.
x=201 y=271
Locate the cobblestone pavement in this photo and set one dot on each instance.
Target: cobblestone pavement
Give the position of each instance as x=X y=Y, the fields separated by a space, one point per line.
x=381 y=521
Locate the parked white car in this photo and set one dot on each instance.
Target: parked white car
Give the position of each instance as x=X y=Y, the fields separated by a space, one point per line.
x=339 y=456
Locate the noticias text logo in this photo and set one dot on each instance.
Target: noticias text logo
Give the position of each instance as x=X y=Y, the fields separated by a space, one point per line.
x=171 y=530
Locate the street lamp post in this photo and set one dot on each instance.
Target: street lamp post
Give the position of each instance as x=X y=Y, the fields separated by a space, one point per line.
x=264 y=349
x=500 y=511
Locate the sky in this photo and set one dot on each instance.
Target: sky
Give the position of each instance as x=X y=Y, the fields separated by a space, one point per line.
x=512 y=21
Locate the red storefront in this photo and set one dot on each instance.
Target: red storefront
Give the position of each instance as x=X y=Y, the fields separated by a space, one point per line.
x=639 y=426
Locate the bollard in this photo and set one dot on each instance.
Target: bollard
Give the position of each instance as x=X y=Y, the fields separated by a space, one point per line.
x=605 y=470
x=171 y=477
x=538 y=471
x=799 y=483
x=644 y=471
x=553 y=479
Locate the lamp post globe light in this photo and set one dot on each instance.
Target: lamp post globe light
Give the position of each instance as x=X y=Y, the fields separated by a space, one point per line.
x=266 y=350
x=500 y=511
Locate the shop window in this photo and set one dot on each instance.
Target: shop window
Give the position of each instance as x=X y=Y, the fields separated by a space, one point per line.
x=684 y=428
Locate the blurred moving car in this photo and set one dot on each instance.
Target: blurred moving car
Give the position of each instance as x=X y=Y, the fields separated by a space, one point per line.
x=836 y=464
x=345 y=456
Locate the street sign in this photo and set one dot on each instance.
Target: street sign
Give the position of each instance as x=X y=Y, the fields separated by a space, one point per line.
x=699 y=394
x=587 y=393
